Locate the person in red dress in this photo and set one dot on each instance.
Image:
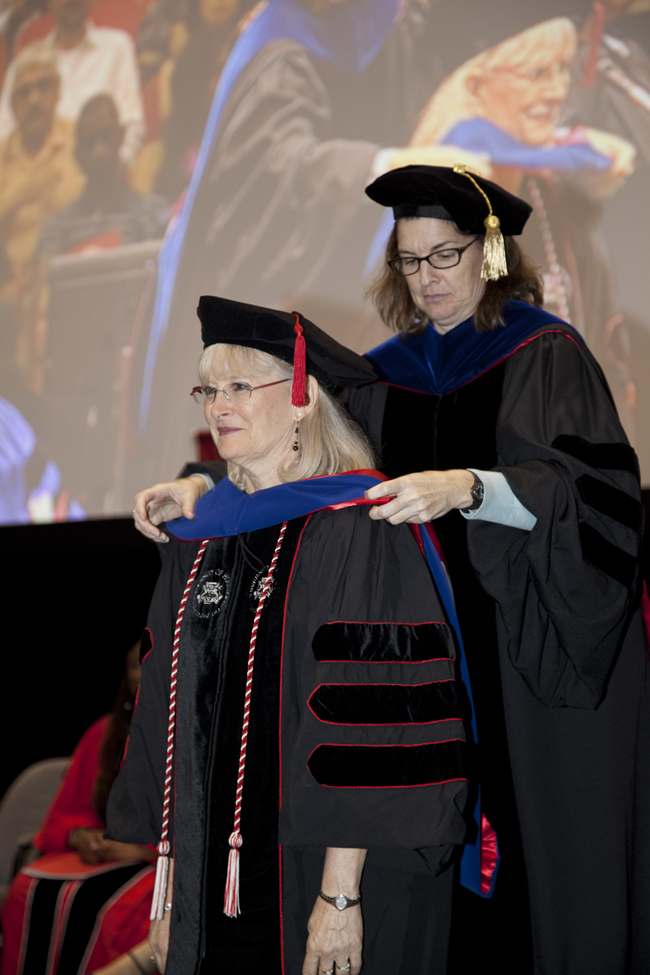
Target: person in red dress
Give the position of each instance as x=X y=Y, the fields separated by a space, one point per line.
x=84 y=904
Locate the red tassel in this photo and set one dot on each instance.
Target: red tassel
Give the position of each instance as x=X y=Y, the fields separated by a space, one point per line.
x=231 y=894
x=299 y=388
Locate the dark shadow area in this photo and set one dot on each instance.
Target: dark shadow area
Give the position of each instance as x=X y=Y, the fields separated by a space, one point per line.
x=75 y=598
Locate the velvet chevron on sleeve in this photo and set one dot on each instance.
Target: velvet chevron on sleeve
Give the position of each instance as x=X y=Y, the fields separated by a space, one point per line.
x=379 y=750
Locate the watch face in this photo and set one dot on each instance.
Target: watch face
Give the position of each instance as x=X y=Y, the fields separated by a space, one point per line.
x=341 y=902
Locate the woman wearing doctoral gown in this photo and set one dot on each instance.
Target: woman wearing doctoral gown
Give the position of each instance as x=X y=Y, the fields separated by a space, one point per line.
x=545 y=573
x=356 y=736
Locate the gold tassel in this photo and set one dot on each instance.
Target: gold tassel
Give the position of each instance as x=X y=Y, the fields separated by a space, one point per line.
x=495 y=265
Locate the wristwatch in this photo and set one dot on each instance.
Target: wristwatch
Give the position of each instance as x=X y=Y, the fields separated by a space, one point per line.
x=477 y=491
x=340 y=902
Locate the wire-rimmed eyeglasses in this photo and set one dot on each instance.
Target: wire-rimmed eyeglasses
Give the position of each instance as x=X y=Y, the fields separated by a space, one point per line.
x=444 y=258
x=233 y=392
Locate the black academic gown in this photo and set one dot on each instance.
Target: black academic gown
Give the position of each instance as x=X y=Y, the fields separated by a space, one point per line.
x=555 y=648
x=280 y=208
x=356 y=739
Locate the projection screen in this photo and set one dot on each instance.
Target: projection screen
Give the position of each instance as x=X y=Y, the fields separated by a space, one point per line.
x=151 y=152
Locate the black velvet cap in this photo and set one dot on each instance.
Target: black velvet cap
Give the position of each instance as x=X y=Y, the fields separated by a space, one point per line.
x=437 y=191
x=272 y=331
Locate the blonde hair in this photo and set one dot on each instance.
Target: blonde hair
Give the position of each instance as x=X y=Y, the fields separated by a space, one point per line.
x=330 y=440
x=454 y=101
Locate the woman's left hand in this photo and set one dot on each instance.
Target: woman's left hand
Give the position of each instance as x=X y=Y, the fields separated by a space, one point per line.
x=335 y=938
x=421 y=497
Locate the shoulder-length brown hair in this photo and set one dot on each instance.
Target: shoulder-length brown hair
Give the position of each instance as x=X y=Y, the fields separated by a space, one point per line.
x=391 y=296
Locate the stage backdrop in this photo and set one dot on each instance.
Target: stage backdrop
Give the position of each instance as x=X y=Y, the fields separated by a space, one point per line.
x=151 y=152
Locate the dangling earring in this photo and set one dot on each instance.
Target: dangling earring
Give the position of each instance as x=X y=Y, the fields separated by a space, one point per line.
x=295 y=443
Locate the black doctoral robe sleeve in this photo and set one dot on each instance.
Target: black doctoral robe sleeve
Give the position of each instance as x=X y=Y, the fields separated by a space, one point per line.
x=564 y=591
x=373 y=741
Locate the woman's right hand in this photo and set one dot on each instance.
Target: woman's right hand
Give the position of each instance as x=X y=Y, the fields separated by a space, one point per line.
x=164 y=502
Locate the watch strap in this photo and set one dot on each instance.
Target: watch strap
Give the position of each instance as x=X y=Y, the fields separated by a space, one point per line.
x=340 y=902
x=477 y=491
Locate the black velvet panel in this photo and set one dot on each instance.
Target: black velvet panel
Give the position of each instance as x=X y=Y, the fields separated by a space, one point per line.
x=385 y=703
x=466 y=424
x=611 y=501
x=408 y=431
x=388 y=766
x=602 y=456
x=610 y=559
x=146 y=643
x=455 y=430
x=383 y=642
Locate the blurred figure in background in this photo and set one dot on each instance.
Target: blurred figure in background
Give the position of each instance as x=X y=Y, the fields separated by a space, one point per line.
x=210 y=34
x=90 y=60
x=97 y=880
x=507 y=104
x=15 y=15
x=38 y=172
x=182 y=47
x=108 y=213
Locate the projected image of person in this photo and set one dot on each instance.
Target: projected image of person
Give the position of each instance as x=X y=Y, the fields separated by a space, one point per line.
x=507 y=103
x=210 y=34
x=38 y=171
x=91 y=60
x=108 y=213
x=611 y=83
x=295 y=131
x=318 y=765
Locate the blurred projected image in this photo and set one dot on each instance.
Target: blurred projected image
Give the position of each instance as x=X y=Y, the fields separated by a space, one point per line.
x=508 y=104
x=155 y=150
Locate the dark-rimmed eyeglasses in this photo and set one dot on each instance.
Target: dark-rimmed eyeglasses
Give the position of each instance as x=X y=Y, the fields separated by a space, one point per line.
x=441 y=259
x=233 y=392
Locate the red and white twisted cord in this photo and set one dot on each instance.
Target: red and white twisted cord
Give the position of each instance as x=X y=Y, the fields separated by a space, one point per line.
x=231 y=894
x=162 y=866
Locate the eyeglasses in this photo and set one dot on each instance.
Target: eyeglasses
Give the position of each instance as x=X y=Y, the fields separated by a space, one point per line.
x=442 y=259
x=233 y=392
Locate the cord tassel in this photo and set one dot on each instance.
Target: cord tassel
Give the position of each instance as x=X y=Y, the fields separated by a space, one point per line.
x=495 y=265
x=160 y=886
x=164 y=847
x=231 y=893
x=299 y=388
